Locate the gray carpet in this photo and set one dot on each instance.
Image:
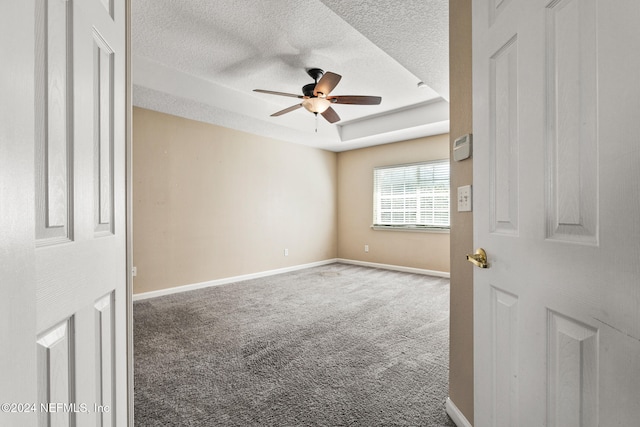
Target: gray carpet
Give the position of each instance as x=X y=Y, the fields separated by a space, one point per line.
x=336 y=345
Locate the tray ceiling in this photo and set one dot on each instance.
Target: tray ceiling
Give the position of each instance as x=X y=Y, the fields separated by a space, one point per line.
x=202 y=59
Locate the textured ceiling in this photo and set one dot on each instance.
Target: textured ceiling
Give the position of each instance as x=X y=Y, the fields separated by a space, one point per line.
x=202 y=59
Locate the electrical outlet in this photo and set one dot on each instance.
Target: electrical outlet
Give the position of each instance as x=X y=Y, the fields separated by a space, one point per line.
x=134 y=271
x=366 y=248
x=286 y=252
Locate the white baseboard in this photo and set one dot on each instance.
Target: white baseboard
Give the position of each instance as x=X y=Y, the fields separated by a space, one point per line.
x=456 y=415
x=396 y=268
x=226 y=280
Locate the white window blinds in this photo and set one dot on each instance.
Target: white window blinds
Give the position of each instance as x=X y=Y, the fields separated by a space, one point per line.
x=412 y=196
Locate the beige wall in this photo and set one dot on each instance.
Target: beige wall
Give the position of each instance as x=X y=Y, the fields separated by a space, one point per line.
x=211 y=202
x=355 y=205
x=461 y=314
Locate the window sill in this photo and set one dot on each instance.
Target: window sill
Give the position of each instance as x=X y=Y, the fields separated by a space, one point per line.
x=412 y=229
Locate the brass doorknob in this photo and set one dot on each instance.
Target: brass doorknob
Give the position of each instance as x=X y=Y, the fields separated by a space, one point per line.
x=479 y=258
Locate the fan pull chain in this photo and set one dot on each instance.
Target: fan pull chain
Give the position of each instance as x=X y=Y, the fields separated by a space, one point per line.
x=316 y=114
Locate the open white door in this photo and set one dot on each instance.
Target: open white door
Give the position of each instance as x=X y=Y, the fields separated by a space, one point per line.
x=557 y=209
x=62 y=211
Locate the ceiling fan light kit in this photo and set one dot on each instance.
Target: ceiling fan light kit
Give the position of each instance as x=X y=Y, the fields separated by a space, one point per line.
x=316 y=105
x=316 y=98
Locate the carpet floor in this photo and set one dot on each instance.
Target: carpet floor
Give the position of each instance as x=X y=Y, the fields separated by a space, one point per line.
x=335 y=345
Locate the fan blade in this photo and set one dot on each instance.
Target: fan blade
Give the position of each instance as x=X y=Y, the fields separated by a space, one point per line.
x=331 y=115
x=271 y=92
x=286 y=110
x=327 y=83
x=356 y=99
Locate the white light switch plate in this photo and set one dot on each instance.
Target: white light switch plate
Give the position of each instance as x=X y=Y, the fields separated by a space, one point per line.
x=464 y=198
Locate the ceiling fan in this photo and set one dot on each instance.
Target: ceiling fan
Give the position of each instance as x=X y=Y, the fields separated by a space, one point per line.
x=316 y=98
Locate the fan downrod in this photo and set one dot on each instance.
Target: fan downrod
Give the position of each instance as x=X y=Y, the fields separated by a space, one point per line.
x=315 y=73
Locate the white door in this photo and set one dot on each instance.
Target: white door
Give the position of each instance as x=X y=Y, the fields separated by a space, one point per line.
x=556 y=91
x=62 y=214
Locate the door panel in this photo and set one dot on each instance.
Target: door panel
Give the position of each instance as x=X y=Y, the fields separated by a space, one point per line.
x=54 y=121
x=557 y=209
x=56 y=374
x=105 y=356
x=103 y=57
x=504 y=147
x=572 y=176
x=504 y=319
x=573 y=372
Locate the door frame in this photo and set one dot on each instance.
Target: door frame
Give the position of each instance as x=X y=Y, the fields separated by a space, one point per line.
x=129 y=212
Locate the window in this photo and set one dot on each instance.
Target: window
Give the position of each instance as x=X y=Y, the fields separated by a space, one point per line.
x=412 y=196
